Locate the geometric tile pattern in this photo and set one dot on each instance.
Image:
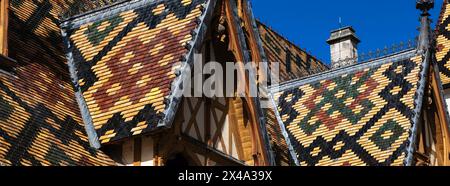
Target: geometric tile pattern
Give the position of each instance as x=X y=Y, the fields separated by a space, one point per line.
x=361 y=118
x=40 y=122
x=35 y=135
x=125 y=64
x=443 y=44
x=294 y=62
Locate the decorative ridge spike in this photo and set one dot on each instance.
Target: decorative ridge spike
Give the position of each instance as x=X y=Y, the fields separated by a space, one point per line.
x=425 y=30
x=425 y=5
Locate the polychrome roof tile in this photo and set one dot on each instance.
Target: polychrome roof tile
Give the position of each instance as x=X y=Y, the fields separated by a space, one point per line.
x=125 y=62
x=443 y=44
x=40 y=121
x=294 y=62
x=358 y=115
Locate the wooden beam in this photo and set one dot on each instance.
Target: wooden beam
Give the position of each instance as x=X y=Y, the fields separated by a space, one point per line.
x=253 y=40
x=4 y=8
x=156 y=154
x=137 y=154
x=212 y=154
x=233 y=123
x=238 y=51
x=207 y=107
x=442 y=115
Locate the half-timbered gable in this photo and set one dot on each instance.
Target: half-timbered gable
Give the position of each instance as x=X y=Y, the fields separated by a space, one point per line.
x=129 y=60
x=230 y=126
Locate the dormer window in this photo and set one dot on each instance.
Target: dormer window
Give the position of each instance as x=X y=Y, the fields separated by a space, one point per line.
x=5 y=61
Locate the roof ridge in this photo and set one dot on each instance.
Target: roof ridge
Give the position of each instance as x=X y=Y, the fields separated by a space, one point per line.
x=90 y=6
x=175 y=96
x=345 y=70
x=106 y=11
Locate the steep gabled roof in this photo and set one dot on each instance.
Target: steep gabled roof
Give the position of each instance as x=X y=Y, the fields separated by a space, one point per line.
x=40 y=123
x=357 y=115
x=124 y=60
x=294 y=62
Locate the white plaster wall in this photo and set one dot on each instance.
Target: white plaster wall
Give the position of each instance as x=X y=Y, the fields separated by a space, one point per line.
x=200 y=117
x=447 y=98
x=147 y=152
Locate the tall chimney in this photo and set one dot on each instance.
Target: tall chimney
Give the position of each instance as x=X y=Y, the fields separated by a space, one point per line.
x=344 y=47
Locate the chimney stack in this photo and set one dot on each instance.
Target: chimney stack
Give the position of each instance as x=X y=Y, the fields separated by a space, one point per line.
x=344 y=47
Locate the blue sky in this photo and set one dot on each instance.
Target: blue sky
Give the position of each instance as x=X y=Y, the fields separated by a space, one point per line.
x=308 y=23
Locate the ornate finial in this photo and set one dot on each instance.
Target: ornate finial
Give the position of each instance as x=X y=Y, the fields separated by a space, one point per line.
x=425 y=5
x=424 y=37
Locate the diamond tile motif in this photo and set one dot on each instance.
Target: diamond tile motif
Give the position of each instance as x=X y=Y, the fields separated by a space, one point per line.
x=387 y=135
x=40 y=122
x=359 y=118
x=294 y=62
x=125 y=64
x=100 y=29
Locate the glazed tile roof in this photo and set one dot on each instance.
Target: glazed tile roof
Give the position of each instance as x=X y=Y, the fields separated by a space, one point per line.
x=125 y=60
x=278 y=140
x=40 y=122
x=294 y=62
x=443 y=44
x=358 y=115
